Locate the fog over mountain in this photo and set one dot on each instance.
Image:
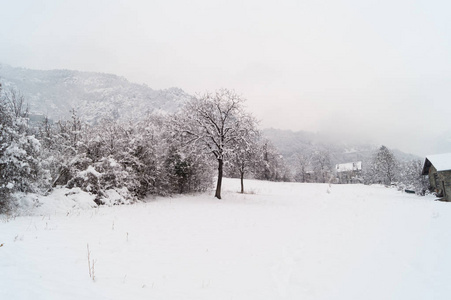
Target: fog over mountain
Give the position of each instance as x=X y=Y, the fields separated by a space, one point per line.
x=291 y=144
x=55 y=93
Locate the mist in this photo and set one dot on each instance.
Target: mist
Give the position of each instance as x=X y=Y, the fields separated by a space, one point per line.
x=373 y=71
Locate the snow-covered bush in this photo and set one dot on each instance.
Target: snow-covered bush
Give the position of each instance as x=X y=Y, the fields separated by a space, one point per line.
x=20 y=167
x=116 y=163
x=187 y=172
x=128 y=160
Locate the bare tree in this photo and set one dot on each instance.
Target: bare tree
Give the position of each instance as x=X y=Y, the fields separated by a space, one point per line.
x=215 y=122
x=322 y=165
x=246 y=152
x=303 y=163
x=17 y=104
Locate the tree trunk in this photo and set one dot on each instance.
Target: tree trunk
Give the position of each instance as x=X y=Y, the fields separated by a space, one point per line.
x=219 y=183
x=242 y=182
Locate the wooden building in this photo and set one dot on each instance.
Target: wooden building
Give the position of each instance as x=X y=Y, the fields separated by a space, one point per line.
x=438 y=167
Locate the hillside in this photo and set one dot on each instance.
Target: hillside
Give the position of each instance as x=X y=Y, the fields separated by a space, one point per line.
x=95 y=95
x=291 y=143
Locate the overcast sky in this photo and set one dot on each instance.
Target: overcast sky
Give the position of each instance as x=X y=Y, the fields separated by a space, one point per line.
x=378 y=71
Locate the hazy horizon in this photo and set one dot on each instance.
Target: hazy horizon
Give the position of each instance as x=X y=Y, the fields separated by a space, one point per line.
x=376 y=71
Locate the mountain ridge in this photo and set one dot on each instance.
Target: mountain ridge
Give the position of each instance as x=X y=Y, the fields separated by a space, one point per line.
x=55 y=93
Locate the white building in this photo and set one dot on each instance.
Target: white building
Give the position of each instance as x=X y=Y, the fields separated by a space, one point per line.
x=349 y=172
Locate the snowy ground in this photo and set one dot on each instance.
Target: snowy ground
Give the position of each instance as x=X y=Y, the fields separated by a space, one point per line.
x=281 y=241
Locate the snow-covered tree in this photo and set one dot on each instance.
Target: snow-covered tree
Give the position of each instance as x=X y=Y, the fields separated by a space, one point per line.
x=384 y=167
x=187 y=172
x=302 y=167
x=215 y=122
x=271 y=165
x=126 y=160
x=322 y=165
x=66 y=149
x=410 y=176
x=246 y=154
x=20 y=168
x=161 y=164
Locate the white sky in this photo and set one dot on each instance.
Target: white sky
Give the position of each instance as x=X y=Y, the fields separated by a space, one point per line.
x=374 y=70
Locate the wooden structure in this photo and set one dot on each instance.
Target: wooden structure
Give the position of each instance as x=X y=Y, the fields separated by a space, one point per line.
x=438 y=167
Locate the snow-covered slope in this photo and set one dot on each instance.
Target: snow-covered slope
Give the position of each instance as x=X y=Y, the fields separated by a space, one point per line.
x=95 y=95
x=280 y=241
x=291 y=143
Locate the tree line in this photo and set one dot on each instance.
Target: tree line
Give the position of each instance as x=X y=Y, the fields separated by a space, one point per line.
x=159 y=155
x=381 y=168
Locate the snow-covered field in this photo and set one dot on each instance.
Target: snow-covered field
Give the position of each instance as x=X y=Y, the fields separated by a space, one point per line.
x=280 y=241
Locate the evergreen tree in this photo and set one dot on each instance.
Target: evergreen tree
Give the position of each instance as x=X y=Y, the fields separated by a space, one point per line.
x=384 y=167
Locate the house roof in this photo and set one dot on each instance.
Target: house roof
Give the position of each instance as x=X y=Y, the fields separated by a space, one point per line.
x=442 y=162
x=352 y=166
